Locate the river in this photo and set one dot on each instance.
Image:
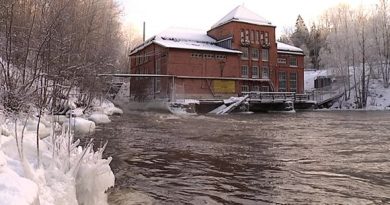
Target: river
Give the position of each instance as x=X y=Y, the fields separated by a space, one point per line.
x=279 y=158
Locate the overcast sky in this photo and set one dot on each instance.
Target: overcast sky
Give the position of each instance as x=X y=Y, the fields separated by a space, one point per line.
x=202 y=14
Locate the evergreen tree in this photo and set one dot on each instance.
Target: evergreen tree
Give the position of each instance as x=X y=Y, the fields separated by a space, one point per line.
x=300 y=37
x=315 y=43
x=301 y=33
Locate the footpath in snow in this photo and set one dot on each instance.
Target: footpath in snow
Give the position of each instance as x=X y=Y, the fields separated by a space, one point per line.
x=66 y=172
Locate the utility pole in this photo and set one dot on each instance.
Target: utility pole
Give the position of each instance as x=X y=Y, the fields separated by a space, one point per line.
x=143 y=33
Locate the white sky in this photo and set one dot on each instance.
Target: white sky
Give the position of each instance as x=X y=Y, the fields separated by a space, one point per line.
x=202 y=14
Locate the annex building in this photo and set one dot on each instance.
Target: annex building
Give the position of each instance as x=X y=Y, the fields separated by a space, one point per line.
x=238 y=54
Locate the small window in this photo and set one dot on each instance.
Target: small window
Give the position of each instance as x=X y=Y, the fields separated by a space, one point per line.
x=257 y=37
x=264 y=55
x=244 y=54
x=242 y=36
x=252 y=36
x=209 y=56
x=293 y=61
x=220 y=57
x=255 y=54
x=244 y=71
x=255 y=72
x=244 y=88
x=246 y=36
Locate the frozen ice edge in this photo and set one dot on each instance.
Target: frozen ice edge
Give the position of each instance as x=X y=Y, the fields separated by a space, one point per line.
x=52 y=182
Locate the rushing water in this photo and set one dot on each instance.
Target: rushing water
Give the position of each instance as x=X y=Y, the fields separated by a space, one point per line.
x=294 y=158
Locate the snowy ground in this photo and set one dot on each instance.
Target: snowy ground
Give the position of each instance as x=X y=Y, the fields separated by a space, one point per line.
x=67 y=173
x=378 y=96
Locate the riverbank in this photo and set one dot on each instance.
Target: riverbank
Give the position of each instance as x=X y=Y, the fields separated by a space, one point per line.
x=378 y=98
x=64 y=172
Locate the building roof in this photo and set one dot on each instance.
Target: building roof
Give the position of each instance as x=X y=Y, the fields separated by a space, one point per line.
x=242 y=14
x=184 y=39
x=288 y=49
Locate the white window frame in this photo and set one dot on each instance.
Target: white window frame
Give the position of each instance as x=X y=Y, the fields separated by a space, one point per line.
x=291 y=61
x=245 y=53
x=244 y=71
x=265 y=72
x=293 y=82
x=255 y=57
x=255 y=72
x=282 y=78
x=244 y=88
x=264 y=54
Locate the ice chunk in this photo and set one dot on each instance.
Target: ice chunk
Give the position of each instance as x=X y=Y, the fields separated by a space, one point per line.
x=81 y=125
x=99 y=118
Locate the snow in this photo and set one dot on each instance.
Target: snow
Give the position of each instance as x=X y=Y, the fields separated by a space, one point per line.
x=107 y=108
x=80 y=125
x=378 y=98
x=99 y=118
x=242 y=14
x=182 y=38
x=186 y=34
x=15 y=189
x=67 y=173
x=187 y=101
x=285 y=47
x=193 y=45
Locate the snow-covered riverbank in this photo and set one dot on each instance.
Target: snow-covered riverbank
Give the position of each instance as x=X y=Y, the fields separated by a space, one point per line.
x=66 y=173
x=378 y=97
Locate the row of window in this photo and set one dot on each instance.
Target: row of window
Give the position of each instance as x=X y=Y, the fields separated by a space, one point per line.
x=292 y=61
x=255 y=54
x=254 y=36
x=283 y=81
x=208 y=56
x=255 y=72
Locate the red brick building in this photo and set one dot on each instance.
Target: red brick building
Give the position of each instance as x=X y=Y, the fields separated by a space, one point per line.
x=238 y=54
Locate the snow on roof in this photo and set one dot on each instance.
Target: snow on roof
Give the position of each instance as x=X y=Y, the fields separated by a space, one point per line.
x=186 y=34
x=184 y=39
x=288 y=48
x=242 y=14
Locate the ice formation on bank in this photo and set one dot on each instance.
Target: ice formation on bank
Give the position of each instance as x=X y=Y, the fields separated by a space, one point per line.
x=66 y=173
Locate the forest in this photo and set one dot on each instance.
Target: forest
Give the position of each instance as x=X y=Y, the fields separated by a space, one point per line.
x=354 y=43
x=50 y=48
